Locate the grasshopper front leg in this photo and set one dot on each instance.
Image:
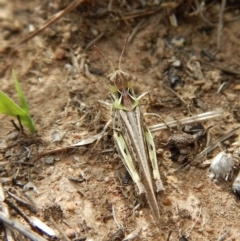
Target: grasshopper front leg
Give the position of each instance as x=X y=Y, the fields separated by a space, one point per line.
x=128 y=162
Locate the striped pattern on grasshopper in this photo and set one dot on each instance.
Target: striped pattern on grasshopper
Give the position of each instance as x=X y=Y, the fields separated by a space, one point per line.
x=134 y=140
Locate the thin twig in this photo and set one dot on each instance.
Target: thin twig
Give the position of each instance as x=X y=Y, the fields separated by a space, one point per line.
x=19 y=211
x=59 y=229
x=32 y=34
x=213 y=146
x=225 y=70
x=9 y=235
x=137 y=15
x=15 y=126
x=27 y=232
x=188 y=120
x=53 y=152
x=50 y=21
x=115 y=219
x=220 y=24
x=197 y=219
x=35 y=223
x=94 y=41
x=169 y=235
x=135 y=30
x=27 y=204
x=20 y=124
x=110 y=5
x=175 y=93
x=224 y=236
x=205 y=19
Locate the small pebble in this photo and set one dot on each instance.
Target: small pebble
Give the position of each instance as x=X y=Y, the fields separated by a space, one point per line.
x=221 y=166
x=12 y=136
x=66 y=36
x=178 y=41
x=59 y=53
x=175 y=218
x=49 y=160
x=2 y=146
x=94 y=32
x=106 y=179
x=167 y=201
x=199 y=186
x=208 y=229
x=75 y=28
x=70 y=206
x=70 y=232
x=70 y=170
x=231 y=96
x=237 y=87
x=144 y=228
x=172 y=179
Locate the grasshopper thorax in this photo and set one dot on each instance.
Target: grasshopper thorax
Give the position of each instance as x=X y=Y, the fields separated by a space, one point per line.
x=122 y=91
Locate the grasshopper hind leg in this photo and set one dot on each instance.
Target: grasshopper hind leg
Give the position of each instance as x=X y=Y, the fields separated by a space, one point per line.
x=128 y=162
x=153 y=158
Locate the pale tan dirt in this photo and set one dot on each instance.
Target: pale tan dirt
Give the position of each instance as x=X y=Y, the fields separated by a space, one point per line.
x=66 y=101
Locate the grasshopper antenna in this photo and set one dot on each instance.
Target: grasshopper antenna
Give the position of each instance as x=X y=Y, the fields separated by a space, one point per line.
x=120 y=59
x=111 y=64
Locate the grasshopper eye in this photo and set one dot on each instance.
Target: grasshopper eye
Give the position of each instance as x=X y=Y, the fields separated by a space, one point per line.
x=126 y=75
x=112 y=77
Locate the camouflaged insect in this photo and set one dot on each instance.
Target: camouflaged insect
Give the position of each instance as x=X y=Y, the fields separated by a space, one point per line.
x=134 y=140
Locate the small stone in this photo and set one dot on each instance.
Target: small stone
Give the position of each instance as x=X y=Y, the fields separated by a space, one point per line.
x=66 y=36
x=144 y=228
x=70 y=206
x=221 y=166
x=106 y=179
x=230 y=96
x=3 y=145
x=75 y=28
x=12 y=136
x=167 y=201
x=178 y=41
x=59 y=53
x=172 y=179
x=94 y=32
x=237 y=87
x=220 y=57
x=57 y=136
x=208 y=229
x=175 y=218
x=70 y=232
x=199 y=186
x=49 y=160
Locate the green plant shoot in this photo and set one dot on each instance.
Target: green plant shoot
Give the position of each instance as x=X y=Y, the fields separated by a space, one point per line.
x=9 y=107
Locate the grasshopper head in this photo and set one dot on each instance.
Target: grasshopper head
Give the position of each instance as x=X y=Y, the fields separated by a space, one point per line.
x=122 y=91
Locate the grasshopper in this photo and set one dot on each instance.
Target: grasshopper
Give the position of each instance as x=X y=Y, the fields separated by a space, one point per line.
x=133 y=139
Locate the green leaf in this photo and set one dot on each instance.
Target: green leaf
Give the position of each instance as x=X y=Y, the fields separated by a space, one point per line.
x=9 y=107
x=28 y=122
x=23 y=101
